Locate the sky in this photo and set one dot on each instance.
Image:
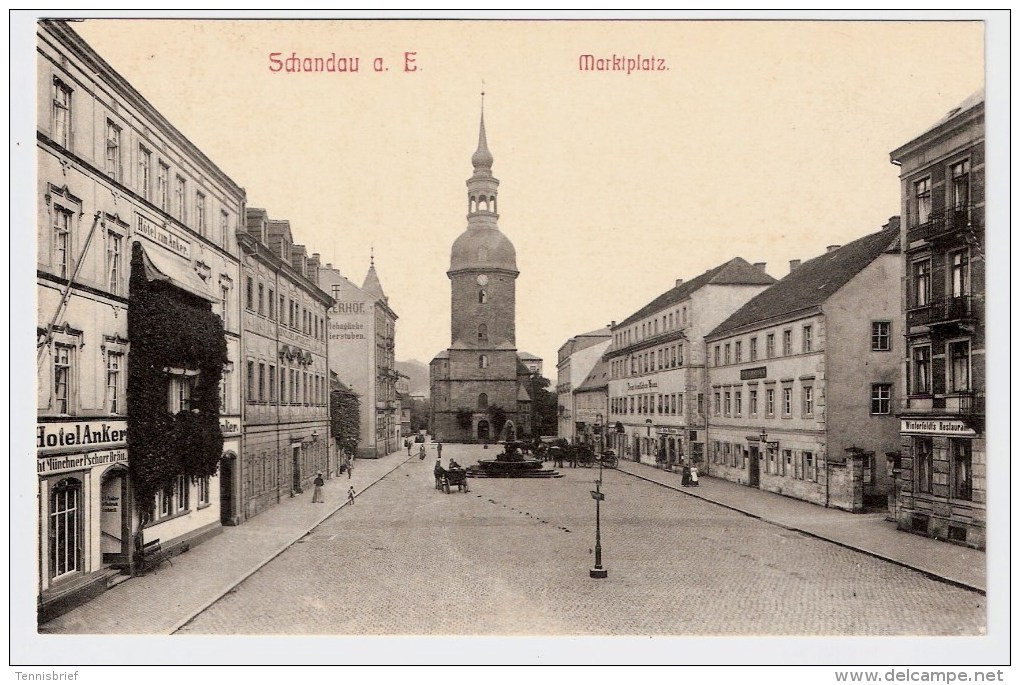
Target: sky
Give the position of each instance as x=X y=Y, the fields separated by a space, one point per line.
x=763 y=140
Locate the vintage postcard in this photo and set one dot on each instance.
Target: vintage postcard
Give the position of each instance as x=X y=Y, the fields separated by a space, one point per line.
x=527 y=328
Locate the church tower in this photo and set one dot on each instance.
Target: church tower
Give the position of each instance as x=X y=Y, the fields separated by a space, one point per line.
x=474 y=384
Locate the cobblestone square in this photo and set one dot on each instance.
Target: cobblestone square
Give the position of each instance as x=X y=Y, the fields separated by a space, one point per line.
x=511 y=557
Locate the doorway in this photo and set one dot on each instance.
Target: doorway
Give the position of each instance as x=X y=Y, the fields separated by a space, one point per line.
x=752 y=467
x=296 y=468
x=483 y=430
x=113 y=520
x=227 y=466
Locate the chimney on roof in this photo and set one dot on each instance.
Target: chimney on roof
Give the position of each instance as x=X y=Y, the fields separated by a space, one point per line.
x=679 y=282
x=612 y=324
x=894 y=222
x=832 y=248
x=760 y=265
x=794 y=263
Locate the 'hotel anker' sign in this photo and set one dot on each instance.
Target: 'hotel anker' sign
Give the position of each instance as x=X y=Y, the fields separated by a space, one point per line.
x=936 y=427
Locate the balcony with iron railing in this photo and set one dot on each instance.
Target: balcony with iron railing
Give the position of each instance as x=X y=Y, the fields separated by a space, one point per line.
x=945 y=224
x=948 y=310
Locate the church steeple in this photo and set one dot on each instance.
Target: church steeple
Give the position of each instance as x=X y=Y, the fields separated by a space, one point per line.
x=372 y=285
x=482 y=186
x=482 y=159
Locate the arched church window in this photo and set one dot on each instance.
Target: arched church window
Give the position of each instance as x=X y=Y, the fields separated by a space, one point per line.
x=483 y=401
x=483 y=361
x=483 y=204
x=483 y=297
x=473 y=205
x=492 y=203
x=483 y=333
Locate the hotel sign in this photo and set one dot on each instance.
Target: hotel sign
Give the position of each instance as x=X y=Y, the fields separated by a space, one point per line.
x=936 y=427
x=64 y=436
x=752 y=374
x=230 y=425
x=163 y=236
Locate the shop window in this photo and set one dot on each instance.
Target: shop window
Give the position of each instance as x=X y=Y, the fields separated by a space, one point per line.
x=962 y=468
x=65 y=525
x=923 y=463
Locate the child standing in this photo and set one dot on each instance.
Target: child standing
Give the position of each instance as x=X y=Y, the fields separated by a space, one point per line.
x=350 y=495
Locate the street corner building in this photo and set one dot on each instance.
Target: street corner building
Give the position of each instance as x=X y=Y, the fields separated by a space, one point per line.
x=479 y=385
x=657 y=365
x=138 y=328
x=362 y=352
x=940 y=461
x=286 y=375
x=574 y=362
x=803 y=379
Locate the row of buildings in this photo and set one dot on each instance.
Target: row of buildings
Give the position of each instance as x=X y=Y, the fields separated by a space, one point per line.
x=856 y=381
x=187 y=346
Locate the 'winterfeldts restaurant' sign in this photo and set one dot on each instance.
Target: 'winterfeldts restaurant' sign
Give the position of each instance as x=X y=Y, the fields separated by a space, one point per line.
x=936 y=427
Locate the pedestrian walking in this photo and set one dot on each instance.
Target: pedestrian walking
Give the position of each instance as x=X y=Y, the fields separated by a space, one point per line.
x=350 y=495
x=685 y=478
x=439 y=450
x=421 y=452
x=407 y=444
x=694 y=476
x=317 y=493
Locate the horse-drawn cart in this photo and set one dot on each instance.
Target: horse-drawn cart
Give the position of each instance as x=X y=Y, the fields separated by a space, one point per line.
x=453 y=477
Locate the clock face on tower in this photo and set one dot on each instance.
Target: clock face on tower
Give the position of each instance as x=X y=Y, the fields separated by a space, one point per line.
x=483 y=279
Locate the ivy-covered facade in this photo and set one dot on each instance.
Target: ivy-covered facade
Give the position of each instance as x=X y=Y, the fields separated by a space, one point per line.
x=138 y=412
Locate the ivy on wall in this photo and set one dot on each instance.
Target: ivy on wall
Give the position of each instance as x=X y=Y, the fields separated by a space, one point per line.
x=171 y=329
x=464 y=417
x=345 y=413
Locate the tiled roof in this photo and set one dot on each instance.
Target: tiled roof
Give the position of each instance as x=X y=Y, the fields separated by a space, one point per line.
x=597 y=379
x=528 y=356
x=734 y=272
x=814 y=281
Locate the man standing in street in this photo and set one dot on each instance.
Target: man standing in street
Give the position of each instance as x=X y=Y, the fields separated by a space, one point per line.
x=439 y=450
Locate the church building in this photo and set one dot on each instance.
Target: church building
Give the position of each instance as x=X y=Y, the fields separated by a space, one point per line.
x=479 y=386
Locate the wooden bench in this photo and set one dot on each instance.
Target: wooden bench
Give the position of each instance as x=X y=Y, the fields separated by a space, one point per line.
x=151 y=555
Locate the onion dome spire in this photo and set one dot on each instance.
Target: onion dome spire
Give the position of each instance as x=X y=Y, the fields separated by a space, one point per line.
x=482 y=159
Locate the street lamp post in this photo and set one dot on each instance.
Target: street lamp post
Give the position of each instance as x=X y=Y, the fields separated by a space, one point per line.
x=598 y=571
